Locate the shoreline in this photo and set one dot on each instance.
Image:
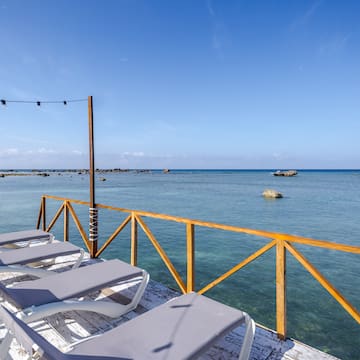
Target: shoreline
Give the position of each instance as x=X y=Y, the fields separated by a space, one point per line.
x=44 y=173
x=47 y=172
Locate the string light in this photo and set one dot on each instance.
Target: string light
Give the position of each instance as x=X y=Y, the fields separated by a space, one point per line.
x=38 y=103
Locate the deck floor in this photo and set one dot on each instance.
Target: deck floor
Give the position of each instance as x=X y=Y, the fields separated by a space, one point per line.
x=66 y=328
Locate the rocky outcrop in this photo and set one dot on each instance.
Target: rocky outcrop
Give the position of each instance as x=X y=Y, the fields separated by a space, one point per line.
x=272 y=194
x=285 y=173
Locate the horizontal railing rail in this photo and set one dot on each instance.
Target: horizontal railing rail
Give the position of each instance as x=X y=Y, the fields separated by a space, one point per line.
x=283 y=243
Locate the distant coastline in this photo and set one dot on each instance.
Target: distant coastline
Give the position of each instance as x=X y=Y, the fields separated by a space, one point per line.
x=48 y=172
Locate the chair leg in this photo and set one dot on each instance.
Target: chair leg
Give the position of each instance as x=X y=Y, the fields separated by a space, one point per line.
x=79 y=260
x=5 y=345
x=248 y=338
x=140 y=291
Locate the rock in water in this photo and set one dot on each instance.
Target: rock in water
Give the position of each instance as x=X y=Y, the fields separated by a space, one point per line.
x=285 y=173
x=273 y=194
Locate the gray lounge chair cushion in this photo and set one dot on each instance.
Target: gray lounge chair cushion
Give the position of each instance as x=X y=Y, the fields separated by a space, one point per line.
x=69 y=284
x=25 y=235
x=181 y=329
x=37 y=253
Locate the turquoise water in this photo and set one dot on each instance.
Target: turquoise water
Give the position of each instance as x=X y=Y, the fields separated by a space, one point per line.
x=318 y=204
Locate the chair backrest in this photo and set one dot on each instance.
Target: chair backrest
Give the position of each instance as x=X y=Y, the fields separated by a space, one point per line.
x=37 y=253
x=24 y=235
x=69 y=284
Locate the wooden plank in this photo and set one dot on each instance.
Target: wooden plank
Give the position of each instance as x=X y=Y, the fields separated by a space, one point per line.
x=79 y=226
x=113 y=235
x=66 y=221
x=336 y=294
x=162 y=254
x=74 y=201
x=236 y=268
x=54 y=219
x=43 y=212
x=39 y=216
x=255 y=232
x=134 y=240
x=190 y=255
x=281 y=289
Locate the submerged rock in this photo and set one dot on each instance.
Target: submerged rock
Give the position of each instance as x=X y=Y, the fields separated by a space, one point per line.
x=272 y=194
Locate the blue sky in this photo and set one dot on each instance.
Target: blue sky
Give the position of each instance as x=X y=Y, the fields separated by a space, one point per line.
x=181 y=84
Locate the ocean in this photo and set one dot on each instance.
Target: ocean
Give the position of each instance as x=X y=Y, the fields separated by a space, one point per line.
x=320 y=204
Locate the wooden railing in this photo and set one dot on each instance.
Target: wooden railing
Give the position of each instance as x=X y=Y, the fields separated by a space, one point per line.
x=283 y=243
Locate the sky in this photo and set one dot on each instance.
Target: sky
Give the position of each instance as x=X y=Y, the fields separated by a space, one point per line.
x=206 y=84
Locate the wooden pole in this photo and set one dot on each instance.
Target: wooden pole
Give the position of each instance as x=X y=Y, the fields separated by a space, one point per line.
x=66 y=221
x=93 y=231
x=281 y=290
x=190 y=251
x=134 y=239
x=43 y=212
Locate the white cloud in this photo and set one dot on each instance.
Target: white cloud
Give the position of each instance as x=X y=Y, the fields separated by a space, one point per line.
x=218 y=36
x=77 y=152
x=45 y=151
x=210 y=8
x=9 y=152
x=307 y=16
x=280 y=156
x=37 y=151
x=134 y=154
x=41 y=158
x=16 y=153
x=334 y=45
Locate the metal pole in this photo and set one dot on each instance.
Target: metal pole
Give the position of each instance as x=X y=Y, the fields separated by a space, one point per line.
x=93 y=228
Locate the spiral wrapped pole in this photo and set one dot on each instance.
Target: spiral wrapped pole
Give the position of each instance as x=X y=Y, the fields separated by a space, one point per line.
x=93 y=215
x=93 y=224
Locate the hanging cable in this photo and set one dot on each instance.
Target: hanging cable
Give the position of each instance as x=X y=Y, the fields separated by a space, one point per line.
x=38 y=103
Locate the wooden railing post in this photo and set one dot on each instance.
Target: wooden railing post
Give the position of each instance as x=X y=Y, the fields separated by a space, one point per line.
x=39 y=215
x=281 y=289
x=43 y=212
x=190 y=260
x=134 y=239
x=66 y=221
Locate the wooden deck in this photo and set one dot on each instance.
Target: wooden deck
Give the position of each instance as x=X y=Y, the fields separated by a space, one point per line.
x=64 y=329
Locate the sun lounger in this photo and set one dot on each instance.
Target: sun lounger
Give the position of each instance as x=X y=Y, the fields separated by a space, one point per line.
x=183 y=328
x=14 y=260
x=52 y=294
x=12 y=239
